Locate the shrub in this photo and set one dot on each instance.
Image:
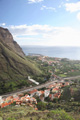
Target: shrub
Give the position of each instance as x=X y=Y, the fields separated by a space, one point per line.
x=42 y=106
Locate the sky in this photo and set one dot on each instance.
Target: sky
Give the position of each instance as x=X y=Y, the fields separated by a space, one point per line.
x=42 y=22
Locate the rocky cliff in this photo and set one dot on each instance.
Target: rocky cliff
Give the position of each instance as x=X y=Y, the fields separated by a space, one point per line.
x=6 y=37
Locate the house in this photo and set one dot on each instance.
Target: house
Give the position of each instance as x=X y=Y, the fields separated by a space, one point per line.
x=38 y=93
x=37 y=83
x=18 y=99
x=57 y=95
x=27 y=95
x=33 y=100
x=32 y=93
x=9 y=98
x=55 y=90
x=28 y=100
x=1 y=100
x=23 y=98
x=6 y=103
x=42 y=97
x=15 y=98
x=58 y=85
x=18 y=102
x=46 y=93
x=51 y=86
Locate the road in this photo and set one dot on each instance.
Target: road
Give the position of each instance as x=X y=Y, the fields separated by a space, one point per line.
x=30 y=88
x=74 y=77
x=38 y=86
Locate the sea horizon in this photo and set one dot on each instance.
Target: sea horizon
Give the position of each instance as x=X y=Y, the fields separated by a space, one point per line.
x=70 y=52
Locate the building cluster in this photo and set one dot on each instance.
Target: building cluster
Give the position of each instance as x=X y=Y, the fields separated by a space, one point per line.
x=50 y=62
x=19 y=99
x=51 y=92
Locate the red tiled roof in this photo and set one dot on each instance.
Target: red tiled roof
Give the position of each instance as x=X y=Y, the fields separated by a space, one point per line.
x=55 y=89
x=42 y=92
x=15 y=99
x=33 y=91
x=57 y=95
x=26 y=95
x=50 y=86
x=22 y=98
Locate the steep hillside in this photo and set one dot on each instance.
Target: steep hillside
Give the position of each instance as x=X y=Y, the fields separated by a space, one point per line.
x=14 y=68
x=6 y=37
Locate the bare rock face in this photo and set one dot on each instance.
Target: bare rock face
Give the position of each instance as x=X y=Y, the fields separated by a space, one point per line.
x=7 y=38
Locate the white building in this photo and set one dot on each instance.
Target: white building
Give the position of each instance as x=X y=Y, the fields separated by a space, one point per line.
x=1 y=100
x=47 y=92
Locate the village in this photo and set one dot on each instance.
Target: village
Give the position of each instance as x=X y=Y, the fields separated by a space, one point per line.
x=30 y=98
x=55 y=71
x=56 y=67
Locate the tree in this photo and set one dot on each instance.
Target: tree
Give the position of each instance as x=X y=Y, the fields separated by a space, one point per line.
x=42 y=106
x=66 y=95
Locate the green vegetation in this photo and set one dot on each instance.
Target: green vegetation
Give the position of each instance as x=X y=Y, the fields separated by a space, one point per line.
x=14 y=70
x=59 y=104
x=43 y=67
x=28 y=113
x=60 y=114
x=62 y=75
x=59 y=67
x=42 y=106
x=66 y=95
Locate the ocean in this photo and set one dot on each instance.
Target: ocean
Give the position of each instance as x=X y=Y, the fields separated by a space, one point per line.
x=72 y=53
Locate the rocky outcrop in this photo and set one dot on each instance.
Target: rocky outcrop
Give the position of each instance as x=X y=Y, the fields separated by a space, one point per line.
x=7 y=38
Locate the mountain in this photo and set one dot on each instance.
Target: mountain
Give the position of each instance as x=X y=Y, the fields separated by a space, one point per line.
x=6 y=37
x=14 y=66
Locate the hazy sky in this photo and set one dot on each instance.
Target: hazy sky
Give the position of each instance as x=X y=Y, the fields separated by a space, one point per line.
x=42 y=22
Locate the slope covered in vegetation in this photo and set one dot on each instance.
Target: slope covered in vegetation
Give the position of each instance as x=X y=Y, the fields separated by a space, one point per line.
x=14 y=68
x=27 y=113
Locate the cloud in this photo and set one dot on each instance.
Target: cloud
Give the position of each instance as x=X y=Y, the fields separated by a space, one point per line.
x=78 y=16
x=45 y=35
x=2 y=24
x=48 y=8
x=29 y=30
x=34 y=1
x=72 y=7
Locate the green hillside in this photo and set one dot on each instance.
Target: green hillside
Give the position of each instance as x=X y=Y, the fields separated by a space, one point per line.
x=28 y=113
x=14 y=69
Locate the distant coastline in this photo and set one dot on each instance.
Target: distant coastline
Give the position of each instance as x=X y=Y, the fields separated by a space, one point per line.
x=54 y=51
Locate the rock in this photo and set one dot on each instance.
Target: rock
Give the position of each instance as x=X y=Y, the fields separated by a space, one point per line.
x=7 y=38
